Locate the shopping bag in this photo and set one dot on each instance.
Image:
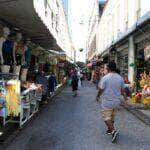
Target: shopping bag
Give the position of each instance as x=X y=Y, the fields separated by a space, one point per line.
x=69 y=82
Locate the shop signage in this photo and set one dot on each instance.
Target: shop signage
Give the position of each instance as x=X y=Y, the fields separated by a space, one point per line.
x=147 y=52
x=132 y=65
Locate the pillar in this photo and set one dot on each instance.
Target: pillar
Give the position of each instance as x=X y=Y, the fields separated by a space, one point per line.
x=131 y=60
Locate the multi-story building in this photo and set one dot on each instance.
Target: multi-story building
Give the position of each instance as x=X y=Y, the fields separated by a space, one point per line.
x=44 y=21
x=124 y=33
x=66 y=5
x=92 y=29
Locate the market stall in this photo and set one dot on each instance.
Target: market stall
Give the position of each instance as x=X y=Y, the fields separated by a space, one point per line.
x=19 y=93
x=142 y=83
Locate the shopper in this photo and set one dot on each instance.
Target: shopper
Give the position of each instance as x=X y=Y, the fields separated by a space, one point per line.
x=81 y=78
x=41 y=79
x=110 y=90
x=74 y=83
x=52 y=82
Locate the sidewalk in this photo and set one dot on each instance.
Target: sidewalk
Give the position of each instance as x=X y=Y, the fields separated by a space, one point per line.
x=140 y=112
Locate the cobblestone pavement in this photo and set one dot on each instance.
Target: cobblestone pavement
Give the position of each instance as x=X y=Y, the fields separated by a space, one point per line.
x=75 y=124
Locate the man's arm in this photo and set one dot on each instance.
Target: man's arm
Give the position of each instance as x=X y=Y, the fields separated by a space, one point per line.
x=100 y=91
x=101 y=86
x=124 y=96
x=123 y=93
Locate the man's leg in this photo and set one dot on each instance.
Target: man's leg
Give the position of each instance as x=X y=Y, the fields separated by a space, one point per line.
x=110 y=125
x=108 y=116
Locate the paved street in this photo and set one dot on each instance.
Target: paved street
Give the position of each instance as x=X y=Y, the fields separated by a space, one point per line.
x=75 y=124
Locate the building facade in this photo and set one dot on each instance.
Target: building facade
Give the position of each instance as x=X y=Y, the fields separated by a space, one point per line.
x=123 y=35
x=92 y=29
x=44 y=21
x=66 y=5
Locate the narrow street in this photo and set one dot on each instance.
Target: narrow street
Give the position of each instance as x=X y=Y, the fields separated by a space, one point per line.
x=69 y=123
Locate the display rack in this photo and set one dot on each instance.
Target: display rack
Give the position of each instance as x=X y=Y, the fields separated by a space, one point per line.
x=29 y=103
x=4 y=77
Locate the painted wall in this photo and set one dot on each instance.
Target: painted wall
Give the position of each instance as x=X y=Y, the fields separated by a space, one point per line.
x=119 y=16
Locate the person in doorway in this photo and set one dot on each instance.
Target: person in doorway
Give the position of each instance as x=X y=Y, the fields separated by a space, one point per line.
x=110 y=89
x=52 y=83
x=74 y=83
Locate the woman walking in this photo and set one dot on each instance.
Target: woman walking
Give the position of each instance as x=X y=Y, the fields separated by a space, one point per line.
x=74 y=83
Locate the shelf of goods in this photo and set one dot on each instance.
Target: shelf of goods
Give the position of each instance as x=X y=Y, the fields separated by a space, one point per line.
x=17 y=107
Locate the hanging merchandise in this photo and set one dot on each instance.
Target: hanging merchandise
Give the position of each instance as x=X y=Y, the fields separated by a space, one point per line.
x=16 y=70
x=2 y=99
x=24 y=74
x=27 y=56
x=147 y=53
x=7 y=50
x=143 y=96
x=5 y=68
x=13 y=97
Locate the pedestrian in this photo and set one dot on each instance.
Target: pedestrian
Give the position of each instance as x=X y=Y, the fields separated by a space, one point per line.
x=52 y=82
x=81 y=78
x=74 y=83
x=41 y=79
x=110 y=90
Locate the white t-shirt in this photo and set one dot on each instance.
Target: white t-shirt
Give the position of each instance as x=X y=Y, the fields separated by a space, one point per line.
x=112 y=83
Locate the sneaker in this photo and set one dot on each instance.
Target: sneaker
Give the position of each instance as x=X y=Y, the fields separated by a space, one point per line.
x=108 y=132
x=115 y=136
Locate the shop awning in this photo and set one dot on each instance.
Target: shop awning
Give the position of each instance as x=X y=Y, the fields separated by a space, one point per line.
x=21 y=14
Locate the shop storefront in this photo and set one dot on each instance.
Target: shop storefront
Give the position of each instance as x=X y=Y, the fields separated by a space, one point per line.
x=142 y=69
x=122 y=61
x=21 y=61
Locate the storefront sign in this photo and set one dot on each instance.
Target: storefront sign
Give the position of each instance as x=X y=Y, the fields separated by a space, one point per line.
x=147 y=52
x=132 y=65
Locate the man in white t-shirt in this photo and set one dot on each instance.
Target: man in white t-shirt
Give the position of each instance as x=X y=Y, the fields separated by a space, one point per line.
x=110 y=90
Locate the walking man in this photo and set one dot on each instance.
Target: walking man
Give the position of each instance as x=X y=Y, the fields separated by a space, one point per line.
x=52 y=83
x=110 y=90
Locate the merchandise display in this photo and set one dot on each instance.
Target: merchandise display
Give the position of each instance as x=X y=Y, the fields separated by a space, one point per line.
x=13 y=100
x=2 y=99
x=21 y=62
x=143 y=95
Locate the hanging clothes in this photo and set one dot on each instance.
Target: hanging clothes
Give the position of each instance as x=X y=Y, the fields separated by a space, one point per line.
x=7 y=51
x=27 y=56
x=20 y=51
